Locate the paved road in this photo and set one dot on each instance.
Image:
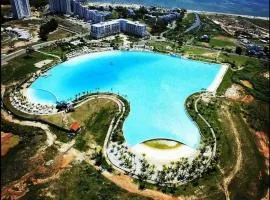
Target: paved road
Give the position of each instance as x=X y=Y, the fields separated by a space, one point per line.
x=195 y=24
x=36 y=47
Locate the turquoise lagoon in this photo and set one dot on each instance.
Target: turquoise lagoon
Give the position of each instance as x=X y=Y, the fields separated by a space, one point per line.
x=156 y=86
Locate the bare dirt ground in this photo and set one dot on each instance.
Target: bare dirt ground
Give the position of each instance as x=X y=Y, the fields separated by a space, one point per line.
x=125 y=182
x=263 y=146
x=246 y=83
x=8 y=141
x=237 y=93
x=19 y=188
x=247 y=99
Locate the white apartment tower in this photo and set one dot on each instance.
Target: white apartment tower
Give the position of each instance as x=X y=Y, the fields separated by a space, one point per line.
x=20 y=8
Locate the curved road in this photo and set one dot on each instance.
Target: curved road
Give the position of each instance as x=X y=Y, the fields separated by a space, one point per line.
x=195 y=24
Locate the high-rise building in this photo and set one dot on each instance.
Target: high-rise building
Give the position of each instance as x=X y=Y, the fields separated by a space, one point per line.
x=20 y=8
x=60 y=6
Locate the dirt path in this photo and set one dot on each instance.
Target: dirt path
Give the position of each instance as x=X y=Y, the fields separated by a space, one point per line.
x=227 y=180
x=50 y=139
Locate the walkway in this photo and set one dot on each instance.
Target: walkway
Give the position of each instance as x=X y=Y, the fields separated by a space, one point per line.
x=207 y=123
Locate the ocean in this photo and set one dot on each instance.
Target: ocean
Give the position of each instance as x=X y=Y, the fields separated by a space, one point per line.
x=259 y=8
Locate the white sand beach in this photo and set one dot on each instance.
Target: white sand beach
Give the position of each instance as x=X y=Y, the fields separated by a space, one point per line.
x=42 y=63
x=164 y=156
x=214 y=85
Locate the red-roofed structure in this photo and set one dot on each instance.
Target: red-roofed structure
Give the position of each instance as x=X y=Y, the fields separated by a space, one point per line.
x=75 y=127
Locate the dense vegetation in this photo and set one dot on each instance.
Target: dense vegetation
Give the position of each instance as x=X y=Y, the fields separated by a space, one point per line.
x=45 y=29
x=253 y=72
x=252 y=181
x=84 y=182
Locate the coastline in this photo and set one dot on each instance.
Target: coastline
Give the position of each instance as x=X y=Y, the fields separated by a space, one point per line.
x=132 y=5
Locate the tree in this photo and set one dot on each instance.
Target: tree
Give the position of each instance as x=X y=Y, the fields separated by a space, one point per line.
x=45 y=29
x=159 y=27
x=29 y=51
x=38 y=3
x=43 y=34
x=238 y=50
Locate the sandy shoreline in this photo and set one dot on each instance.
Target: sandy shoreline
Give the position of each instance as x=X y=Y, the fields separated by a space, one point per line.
x=218 y=79
x=198 y=11
x=164 y=156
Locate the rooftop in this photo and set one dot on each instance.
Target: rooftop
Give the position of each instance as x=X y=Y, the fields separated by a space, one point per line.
x=117 y=21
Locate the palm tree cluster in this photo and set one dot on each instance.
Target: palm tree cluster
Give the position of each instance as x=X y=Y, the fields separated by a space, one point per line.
x=181 y=171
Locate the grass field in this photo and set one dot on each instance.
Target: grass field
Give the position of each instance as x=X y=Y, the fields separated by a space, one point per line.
x=223 y=42
x=161 y=46
x=55 y=50
x=59 y=34
x=162 y=144
x=19 y=68
x=199 y=52
x=94 y=117
x=188 y=20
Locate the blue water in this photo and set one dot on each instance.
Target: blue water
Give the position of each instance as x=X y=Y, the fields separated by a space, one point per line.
x=156 y=86
x=241 y=7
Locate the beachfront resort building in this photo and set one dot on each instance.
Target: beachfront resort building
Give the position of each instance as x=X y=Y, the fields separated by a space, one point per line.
x=60 y=6
x=87 y=14
x=104 y=29
x=20 y=8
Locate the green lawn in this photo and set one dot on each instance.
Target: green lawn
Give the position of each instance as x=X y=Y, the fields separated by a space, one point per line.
x=94 y=116
x=161 y=46
x=59 y=34
x=198 y=52
x=223 y=42
x=18 y=68
x=161 y=144
x=188 y=20
x=54 y=50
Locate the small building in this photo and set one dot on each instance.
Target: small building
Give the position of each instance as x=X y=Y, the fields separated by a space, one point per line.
x=75 y=127
x=205 y=38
